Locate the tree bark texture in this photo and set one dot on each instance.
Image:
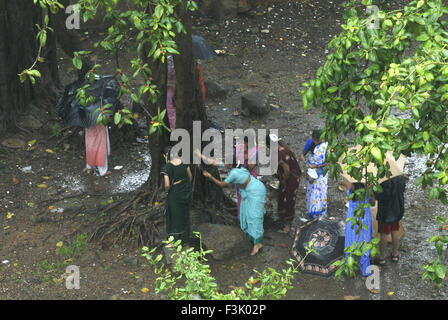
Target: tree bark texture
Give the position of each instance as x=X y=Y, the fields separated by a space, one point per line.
x=18 y=50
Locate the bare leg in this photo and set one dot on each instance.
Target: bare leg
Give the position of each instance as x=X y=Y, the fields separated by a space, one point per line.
x=383 y=245
x=395 y=243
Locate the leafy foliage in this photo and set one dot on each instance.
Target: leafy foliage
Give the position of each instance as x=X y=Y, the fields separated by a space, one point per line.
x=386 y=89
x=191 y=276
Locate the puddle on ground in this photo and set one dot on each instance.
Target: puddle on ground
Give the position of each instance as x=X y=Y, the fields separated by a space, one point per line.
x=125 y=177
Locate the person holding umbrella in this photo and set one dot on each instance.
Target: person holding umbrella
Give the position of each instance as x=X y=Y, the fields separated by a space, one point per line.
x=390 y=201
x=97 y=149
x=105 y=91
x=390 y=213
x=201 y=51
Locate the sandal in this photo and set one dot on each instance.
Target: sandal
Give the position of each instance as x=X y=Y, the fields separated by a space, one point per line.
x=379 y=262
x=394 y=258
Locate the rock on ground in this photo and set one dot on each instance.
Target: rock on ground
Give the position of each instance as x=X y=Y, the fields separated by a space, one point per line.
x=225 y=241
x=255 y=103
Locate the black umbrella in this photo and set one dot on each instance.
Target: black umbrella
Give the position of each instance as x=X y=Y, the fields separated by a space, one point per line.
x=201 y=49
x=105 y=90
x=329 y=241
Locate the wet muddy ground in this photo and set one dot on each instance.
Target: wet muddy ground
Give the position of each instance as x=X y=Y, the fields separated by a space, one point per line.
x=273 y=50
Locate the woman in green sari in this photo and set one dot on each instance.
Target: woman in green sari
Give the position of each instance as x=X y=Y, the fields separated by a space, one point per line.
x=177 y=180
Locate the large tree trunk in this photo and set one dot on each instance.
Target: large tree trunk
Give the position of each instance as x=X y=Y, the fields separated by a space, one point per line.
x=18 y=50
x=189 y=108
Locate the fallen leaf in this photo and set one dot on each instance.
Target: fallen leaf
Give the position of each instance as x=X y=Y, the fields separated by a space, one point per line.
x=32 y=142
x=352 y=297
x=390 y=293
x=283 y=245
x=50 y=207
x=9 y=215
x=233 y=287
x=57 y=281
x=373 y=291
x=235 y=113
x=6 y=228
x=59 y=244
x=15 y=180
x=42 y=185
x=254 y=281
x=68 y=260
x=145 y=290
x=49 y=151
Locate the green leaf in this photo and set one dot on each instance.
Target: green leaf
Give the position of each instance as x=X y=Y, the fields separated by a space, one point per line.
x=376 y=153
x=441 y=271
x=117 y=118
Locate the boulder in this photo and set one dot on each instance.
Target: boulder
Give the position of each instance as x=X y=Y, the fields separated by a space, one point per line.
x=30 y=122
x=219 y=9
x=213 y=89
x=225 y=241
x=243 y=6
x=255 y=103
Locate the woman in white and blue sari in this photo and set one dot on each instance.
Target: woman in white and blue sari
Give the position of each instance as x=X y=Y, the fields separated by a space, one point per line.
x=316 y=180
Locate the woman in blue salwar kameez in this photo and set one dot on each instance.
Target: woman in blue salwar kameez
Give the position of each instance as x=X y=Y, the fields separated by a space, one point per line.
x=253 y=199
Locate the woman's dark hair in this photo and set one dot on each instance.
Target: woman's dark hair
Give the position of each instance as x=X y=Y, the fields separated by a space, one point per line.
x=235 y=163
x=316 y=134
x=167 y=152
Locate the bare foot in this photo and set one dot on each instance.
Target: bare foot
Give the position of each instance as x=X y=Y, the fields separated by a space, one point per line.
x=256 y=248
x=286 y=229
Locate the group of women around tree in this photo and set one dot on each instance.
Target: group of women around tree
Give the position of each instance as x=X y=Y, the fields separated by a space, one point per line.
x=251 y=192
x=251 y=195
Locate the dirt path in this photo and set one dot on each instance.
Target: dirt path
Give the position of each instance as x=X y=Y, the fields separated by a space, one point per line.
x=275 y=62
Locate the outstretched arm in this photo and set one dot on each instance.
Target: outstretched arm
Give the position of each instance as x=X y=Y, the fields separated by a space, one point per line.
x=222 y=184
x=207 y=160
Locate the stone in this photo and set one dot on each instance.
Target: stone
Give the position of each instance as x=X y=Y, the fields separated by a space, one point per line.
x=213 y=89
x=255 y=103
x=243 y=6
x=219 y=9
x=131 y=260
x=225 y=241
x=30 y=122
x=13 y=143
